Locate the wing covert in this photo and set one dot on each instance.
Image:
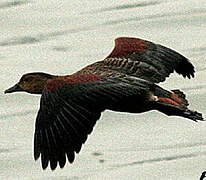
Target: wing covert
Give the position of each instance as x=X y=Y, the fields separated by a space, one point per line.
x=146 y=60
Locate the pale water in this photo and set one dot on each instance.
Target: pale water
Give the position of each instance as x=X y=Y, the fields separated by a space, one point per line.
x=60 y=37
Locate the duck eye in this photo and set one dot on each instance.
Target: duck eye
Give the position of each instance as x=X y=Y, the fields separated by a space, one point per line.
x=26 y=79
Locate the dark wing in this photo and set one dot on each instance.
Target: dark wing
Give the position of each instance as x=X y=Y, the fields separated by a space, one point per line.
x=146 y=60
x=68 y=114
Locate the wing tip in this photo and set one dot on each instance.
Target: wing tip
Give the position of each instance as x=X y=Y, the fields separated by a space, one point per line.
x=186 y=68
x=54 y=164
x=36 y=156
x=37 y=139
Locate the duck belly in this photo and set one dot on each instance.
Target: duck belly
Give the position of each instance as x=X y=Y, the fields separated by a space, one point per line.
x=134 y=104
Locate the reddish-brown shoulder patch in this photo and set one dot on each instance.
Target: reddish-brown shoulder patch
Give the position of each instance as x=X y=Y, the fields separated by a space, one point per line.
x=53 y=84
x=125 y=46
x=78 y=78
x=59 y=82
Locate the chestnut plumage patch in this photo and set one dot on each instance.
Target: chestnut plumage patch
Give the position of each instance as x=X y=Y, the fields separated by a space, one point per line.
x=53 y=84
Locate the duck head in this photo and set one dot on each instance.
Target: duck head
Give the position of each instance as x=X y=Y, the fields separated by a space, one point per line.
x=31 y=83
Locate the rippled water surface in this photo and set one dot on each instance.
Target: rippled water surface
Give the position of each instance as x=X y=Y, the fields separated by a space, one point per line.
x=60 y=37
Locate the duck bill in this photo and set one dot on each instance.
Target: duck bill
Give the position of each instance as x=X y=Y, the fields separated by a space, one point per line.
x=14 y=88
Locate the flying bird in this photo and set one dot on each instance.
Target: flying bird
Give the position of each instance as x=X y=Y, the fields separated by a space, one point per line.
x=125 y=81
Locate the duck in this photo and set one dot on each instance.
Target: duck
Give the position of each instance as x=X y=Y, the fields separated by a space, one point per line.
x=125 y=81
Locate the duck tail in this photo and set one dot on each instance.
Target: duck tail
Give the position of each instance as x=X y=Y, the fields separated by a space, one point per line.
x=172 y=110
x=174 y=103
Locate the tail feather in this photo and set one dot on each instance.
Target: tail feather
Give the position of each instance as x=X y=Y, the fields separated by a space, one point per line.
x=172 y=110
x=193 y=115
x=173 y=103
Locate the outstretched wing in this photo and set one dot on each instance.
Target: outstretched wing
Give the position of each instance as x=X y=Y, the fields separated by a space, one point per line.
x=68 y=113
x=143 y=59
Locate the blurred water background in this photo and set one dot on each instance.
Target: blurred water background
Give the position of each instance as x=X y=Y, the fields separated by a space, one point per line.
x=62 y=36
